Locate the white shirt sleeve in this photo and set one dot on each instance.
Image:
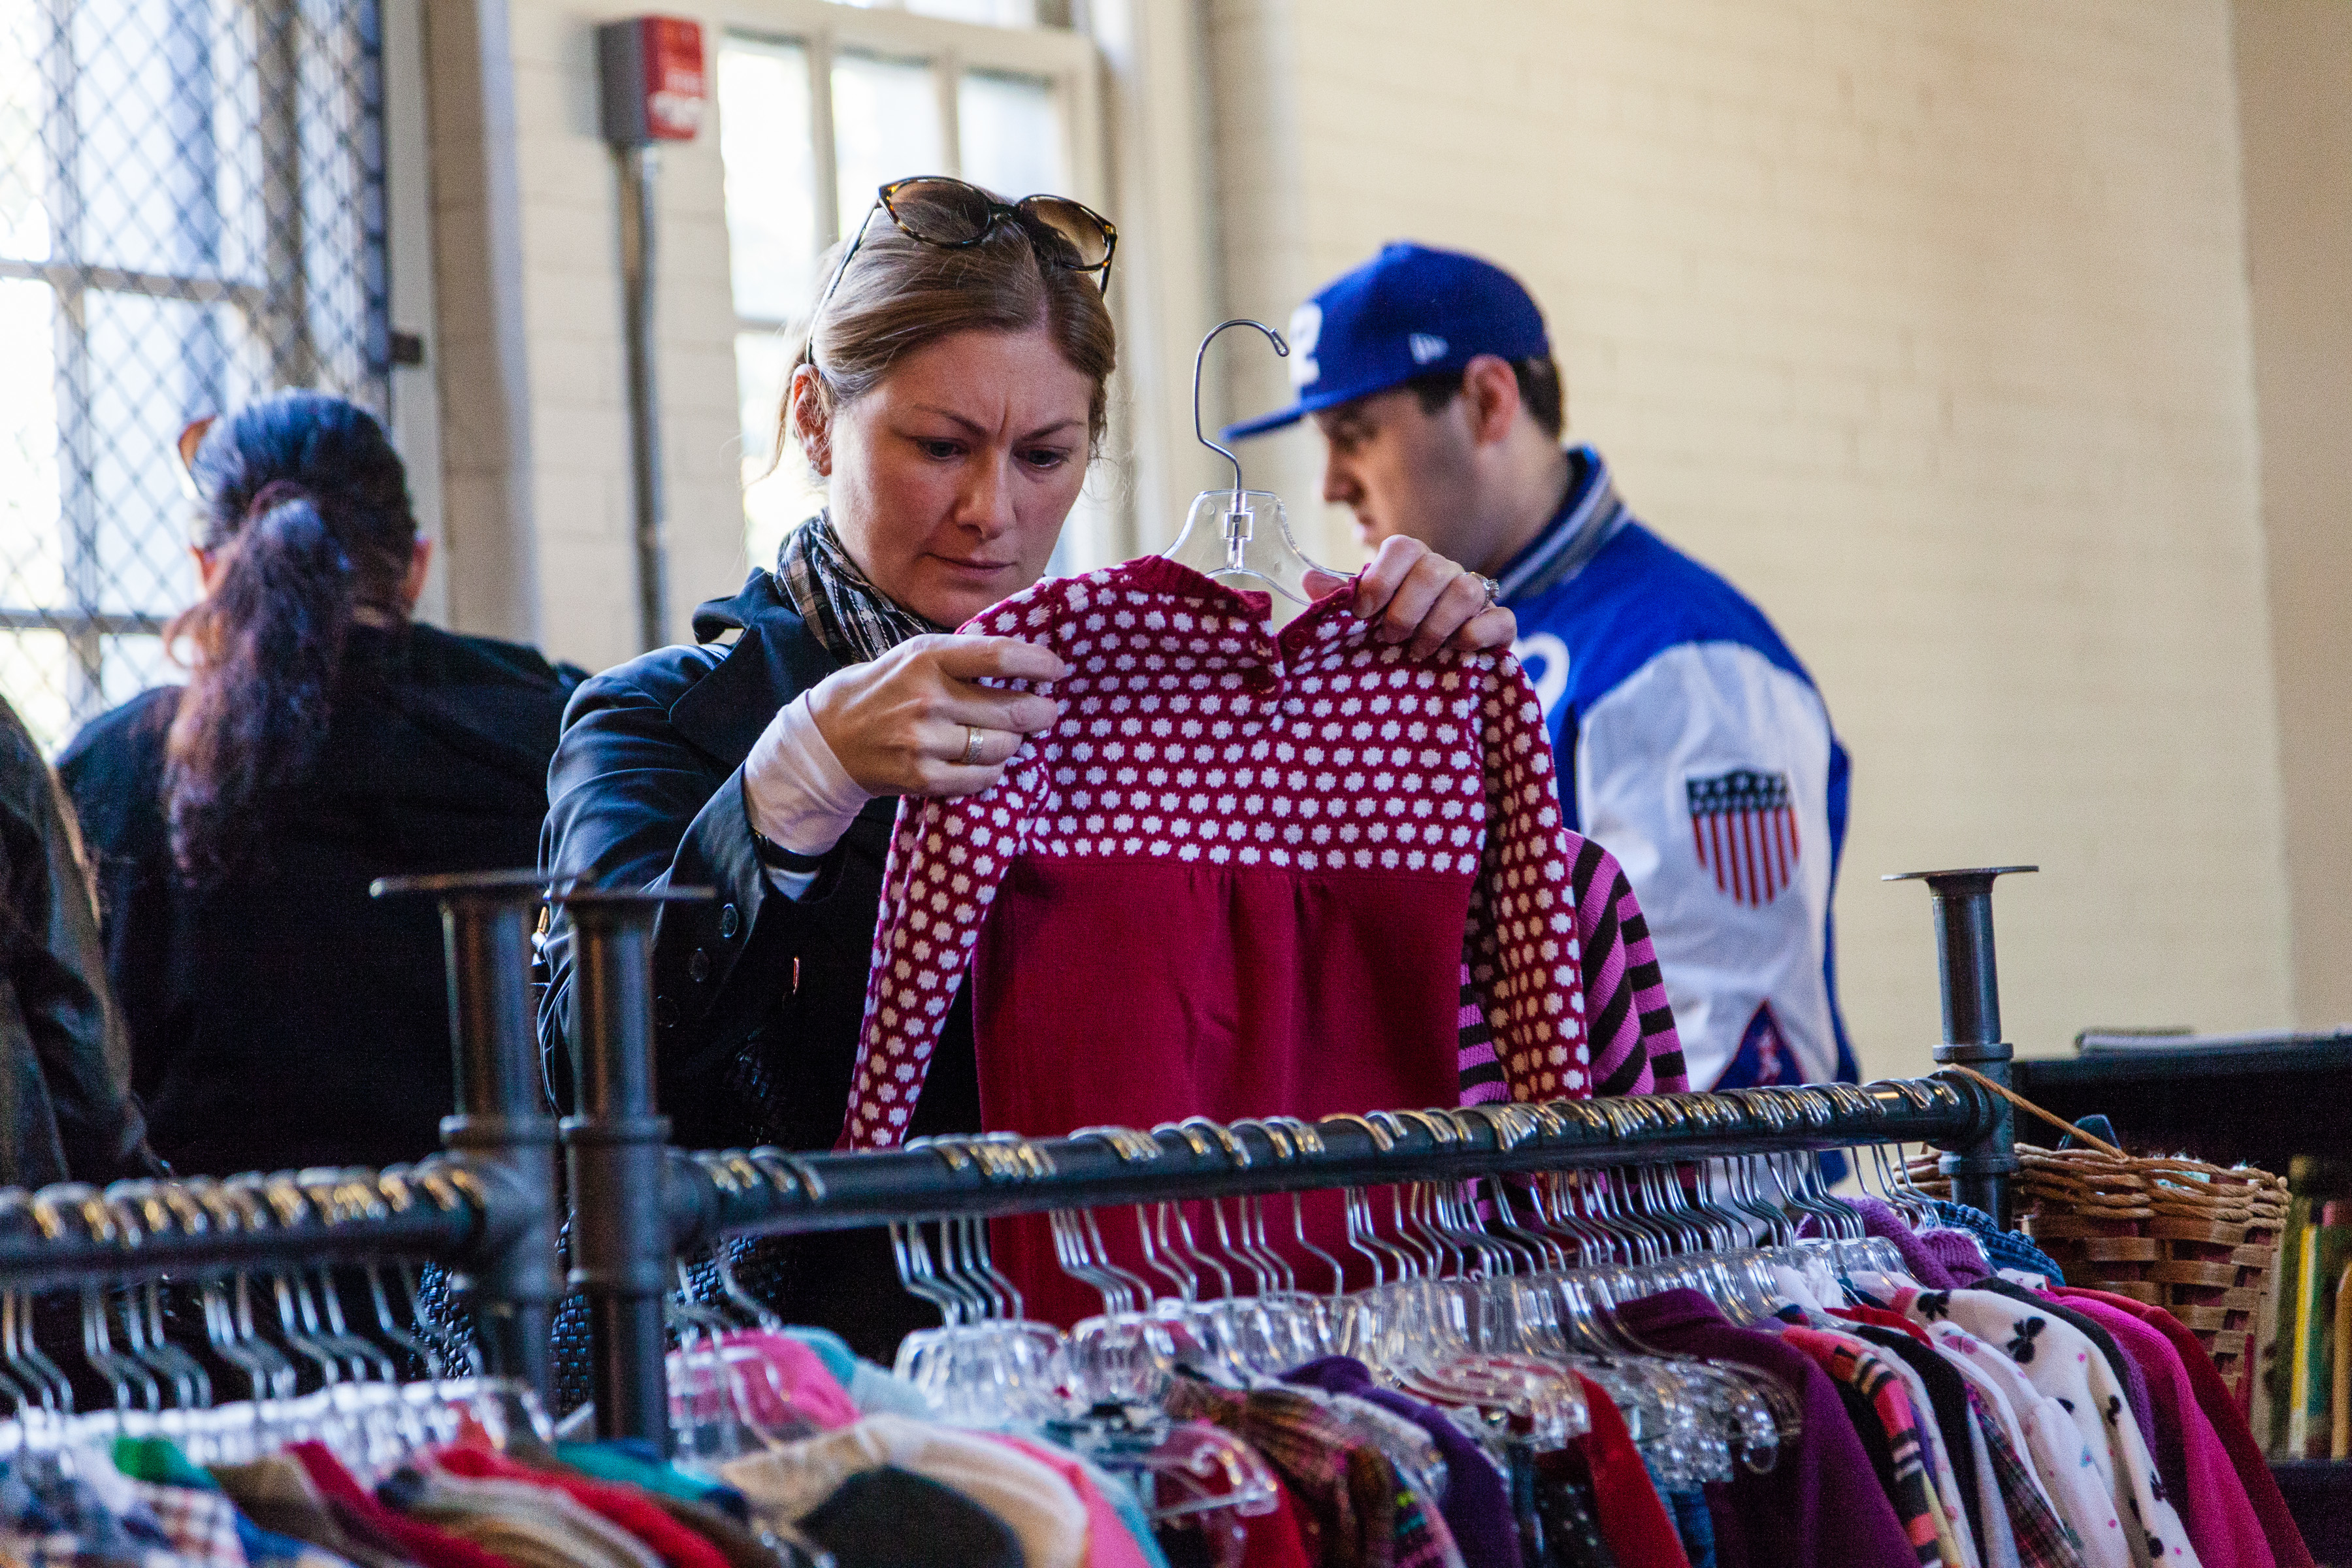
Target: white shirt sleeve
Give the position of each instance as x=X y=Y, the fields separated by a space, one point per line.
x=1707 y=774
x=796 y=792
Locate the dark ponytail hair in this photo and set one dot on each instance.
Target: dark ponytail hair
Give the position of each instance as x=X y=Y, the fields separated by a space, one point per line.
x=306 y=516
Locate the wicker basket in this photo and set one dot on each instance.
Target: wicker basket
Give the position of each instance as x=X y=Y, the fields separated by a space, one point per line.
x=2194 y=1239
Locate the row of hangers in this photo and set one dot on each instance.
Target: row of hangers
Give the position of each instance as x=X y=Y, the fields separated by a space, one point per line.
x=1487 y=1296
x=287 y=1349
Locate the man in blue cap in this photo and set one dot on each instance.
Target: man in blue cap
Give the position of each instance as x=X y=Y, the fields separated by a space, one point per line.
x=1701 y=755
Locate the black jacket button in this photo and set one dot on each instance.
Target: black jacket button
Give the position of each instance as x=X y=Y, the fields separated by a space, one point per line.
x=699 y=966
x=729 y=922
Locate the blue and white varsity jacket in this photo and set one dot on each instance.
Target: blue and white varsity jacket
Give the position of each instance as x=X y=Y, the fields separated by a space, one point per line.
x=1704 y=760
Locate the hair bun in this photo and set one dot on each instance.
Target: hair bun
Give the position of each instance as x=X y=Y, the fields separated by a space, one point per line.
x=274 y=494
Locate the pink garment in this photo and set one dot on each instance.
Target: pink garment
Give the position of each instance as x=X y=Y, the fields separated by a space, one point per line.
x=1109 y=1544
x=2221 y=1408
x=2223 y=1526
x=1241 y=877
x=802 y=1391
x=1625 y=1007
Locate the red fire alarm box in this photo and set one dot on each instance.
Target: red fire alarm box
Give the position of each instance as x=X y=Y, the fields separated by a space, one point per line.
x=654 y=80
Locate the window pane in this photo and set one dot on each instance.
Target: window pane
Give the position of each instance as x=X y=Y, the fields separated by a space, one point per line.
x=205 y=180
x=987 y=13
x=168 y=356
x=35 y=678
x=32 y=571
x=886 y=126
x=772 y=502
x=1011 y=132
x=24 y=177
x=770 y=172
x=129 y=665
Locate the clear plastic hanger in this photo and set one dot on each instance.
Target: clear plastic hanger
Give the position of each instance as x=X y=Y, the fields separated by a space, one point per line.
x=1241 y=537
x=157 y=1387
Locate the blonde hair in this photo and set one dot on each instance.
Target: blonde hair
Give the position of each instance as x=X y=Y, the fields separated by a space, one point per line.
x=900 y=295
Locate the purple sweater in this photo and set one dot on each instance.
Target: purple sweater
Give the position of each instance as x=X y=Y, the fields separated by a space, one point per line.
x=1821 y=1501
x=1476 y=1506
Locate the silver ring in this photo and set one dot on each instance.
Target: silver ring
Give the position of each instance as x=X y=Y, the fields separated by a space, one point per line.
x=1494 y=589
x=971 y=745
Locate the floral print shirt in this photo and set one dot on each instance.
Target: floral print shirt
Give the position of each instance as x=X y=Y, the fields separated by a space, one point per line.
x=2060 y=1362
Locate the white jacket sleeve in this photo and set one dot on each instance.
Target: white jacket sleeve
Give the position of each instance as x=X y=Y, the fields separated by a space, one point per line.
x=1707 y=774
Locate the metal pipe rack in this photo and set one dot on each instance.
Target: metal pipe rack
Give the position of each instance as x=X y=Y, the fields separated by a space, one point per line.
x=485 y=1208
x=704 y=1197
x=767 y=1192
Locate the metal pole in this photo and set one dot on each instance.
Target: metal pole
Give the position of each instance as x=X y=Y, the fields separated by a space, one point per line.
x=638 y=167
x=767 y=1191
x=502 y=1128
x=616 y=1155
x=1963 y=949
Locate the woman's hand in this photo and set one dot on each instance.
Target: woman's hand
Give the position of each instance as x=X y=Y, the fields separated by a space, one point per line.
x=918 y=722
x=1420 y=598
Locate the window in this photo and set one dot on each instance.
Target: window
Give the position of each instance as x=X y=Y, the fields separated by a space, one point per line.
x=818 y=106
x=191 y=212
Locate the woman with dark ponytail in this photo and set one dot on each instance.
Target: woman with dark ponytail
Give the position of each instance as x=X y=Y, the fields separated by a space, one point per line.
x=278 y=1016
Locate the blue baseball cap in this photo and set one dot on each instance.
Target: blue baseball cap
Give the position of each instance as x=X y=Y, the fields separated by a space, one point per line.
x=1411 y=311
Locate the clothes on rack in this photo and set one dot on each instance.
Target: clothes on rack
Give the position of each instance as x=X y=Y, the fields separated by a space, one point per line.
x=144 y=1504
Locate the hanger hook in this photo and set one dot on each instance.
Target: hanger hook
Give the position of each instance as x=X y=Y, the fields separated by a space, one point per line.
x=1201 y=357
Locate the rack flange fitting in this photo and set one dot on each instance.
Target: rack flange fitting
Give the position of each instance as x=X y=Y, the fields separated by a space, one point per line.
x=1979 y=1173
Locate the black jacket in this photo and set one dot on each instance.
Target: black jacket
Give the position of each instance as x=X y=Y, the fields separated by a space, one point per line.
x=283 y=1017
x=758 y=996
x=66 y=1112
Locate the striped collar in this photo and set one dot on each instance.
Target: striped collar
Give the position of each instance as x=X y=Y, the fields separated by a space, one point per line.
x=1587 y=518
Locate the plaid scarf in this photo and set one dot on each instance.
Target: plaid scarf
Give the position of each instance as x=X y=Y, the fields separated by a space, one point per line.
x=853 y=619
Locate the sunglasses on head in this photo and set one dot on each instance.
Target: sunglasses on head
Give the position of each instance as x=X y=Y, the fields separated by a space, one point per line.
x=955 y=213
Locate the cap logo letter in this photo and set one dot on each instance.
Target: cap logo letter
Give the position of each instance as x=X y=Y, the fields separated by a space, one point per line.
x=1306 y=326
x=1426 y=346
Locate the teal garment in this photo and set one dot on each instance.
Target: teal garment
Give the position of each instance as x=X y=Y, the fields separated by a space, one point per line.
x=874 y=1390
x=1130 y=1513
x=831 y=1349
x=158 y=1461
x=615 y=1461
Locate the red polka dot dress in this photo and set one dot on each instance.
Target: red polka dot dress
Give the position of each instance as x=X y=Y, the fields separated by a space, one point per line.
x=1240 y=860
x=1245 y=874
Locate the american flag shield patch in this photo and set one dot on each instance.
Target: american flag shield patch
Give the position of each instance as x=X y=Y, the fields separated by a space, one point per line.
x=1745 y=832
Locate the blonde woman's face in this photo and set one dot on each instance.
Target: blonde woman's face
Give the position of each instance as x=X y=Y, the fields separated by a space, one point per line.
x=950 y=479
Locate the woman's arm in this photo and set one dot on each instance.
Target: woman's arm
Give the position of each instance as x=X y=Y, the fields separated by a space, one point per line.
x=632 y=803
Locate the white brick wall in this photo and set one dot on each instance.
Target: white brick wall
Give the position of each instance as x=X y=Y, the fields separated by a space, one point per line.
x=1927 y=323
x=556 y=489
x=2297 y=113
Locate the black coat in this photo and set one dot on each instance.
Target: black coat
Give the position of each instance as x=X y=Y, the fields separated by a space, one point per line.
x=758 y=996
x=66 y=1106
x=283 y=1017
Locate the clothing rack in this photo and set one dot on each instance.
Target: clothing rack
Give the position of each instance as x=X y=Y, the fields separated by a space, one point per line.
x=635 y=1205
x=484 y=1208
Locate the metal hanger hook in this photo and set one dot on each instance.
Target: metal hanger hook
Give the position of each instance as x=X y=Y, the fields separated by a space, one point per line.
x=1199 y=357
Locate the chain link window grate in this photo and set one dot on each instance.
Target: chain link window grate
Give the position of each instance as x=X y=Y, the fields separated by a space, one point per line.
x=190 y=213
